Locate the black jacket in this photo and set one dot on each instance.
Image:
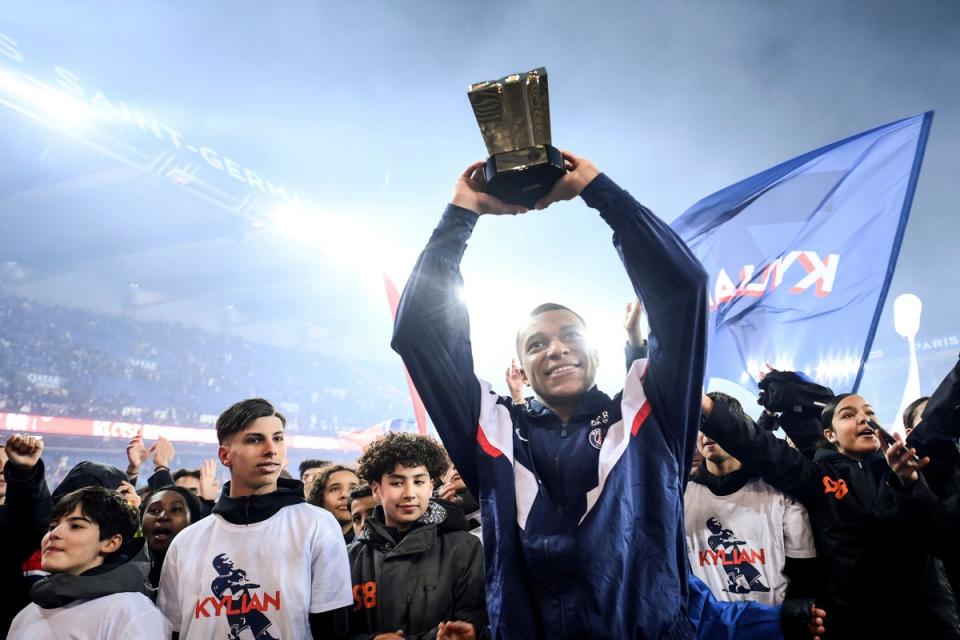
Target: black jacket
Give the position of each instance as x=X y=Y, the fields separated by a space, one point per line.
x=119 y=574
x=23 y=522
x=936 y=437
x=880 y=583
x=251 y=509
x=433 y=574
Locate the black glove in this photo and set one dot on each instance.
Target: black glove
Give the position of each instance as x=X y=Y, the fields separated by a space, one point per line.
x=796 y=618
x=768 y=421
x=788 y=391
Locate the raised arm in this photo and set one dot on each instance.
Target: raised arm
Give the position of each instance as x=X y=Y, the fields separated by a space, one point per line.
x=942 y=412
x=936 y=435
x=636 y=347
x=777 y=463
x=432 y=329
x=28 y=498
x=673 y=287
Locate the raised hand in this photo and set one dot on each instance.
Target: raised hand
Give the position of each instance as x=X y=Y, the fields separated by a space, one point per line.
x=163 y=452
x=631 y=323
x=469 y=193
x=456 y=630
x=815 y=625
x=136 y=453
x=580 y=173
x=903 y=461
x=209 y=486
x=129 y=493
x=23 y=450
x=515 y=382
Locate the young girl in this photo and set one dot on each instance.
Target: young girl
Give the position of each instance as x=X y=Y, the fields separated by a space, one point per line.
x=331 y=491
x=165 y=513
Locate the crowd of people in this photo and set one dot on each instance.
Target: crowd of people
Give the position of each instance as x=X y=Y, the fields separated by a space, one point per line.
x=556 y=511
x=60 y=361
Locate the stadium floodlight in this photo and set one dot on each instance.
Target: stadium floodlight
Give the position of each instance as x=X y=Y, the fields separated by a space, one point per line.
x=906 y=321
x=906 y=315
x=44 y=102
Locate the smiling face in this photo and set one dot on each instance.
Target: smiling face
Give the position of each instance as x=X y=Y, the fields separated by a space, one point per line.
x=850 y=431
x=255 y=457
x=404 y=493
x=164 y=517
x=335 y=494
x=73 y=545
x=557 y=361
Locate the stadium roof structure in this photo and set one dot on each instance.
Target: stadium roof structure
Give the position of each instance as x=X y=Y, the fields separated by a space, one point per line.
x=102 y=215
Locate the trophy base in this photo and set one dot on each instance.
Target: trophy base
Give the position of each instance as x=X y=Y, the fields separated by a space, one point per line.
x=525 y=175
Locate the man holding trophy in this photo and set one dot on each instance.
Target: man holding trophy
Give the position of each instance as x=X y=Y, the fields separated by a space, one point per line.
x=581 y=494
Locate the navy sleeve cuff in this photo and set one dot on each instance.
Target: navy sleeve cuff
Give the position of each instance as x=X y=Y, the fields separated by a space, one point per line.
x=458 y=216
x=601 y=192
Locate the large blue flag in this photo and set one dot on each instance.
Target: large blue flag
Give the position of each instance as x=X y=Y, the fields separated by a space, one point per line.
x=800 y=256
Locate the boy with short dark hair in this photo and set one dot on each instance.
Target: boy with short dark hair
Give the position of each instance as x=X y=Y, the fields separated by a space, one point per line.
x=414 y=566
x=265 y=561
x=746 y=540
x=94 y=591
x=361 y=504
x=310 y=470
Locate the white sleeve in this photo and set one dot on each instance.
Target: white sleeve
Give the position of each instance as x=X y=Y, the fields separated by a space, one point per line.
x=168 y=600
x=146 y=623
x=330 y=586
x=797 y=534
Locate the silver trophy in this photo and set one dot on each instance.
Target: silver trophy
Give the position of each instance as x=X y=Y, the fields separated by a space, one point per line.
x=514 y=117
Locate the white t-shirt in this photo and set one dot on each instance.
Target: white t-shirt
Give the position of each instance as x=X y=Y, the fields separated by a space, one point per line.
x=220 y=579
x=738 y=543
x=120 y=615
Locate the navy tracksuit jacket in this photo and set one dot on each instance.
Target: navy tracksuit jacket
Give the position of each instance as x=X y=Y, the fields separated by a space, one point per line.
x=582 y=523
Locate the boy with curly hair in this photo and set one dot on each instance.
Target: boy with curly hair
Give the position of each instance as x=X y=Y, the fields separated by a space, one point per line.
x=417 y=571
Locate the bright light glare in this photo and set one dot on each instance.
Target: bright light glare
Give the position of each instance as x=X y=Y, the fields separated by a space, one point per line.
x=906 y=315
x=60 y=109
x=833 y=369
x=344 y=240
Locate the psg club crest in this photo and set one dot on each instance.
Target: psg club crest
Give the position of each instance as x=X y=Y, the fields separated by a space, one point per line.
x=596 y=437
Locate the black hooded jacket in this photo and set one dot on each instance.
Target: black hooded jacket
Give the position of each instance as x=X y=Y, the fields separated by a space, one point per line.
x=873 y=568
x=433 y=573
x=251 y=509
x=118 y=574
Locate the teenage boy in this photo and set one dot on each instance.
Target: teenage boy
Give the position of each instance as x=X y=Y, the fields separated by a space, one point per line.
x=94 y=590
x=581 y=494
x=310 y=470
x=745 y=539
x=265 y=561
x=361 y=504
x=417 y=571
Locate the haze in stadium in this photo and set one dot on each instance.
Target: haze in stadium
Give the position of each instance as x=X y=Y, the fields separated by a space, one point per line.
x=252 y=170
